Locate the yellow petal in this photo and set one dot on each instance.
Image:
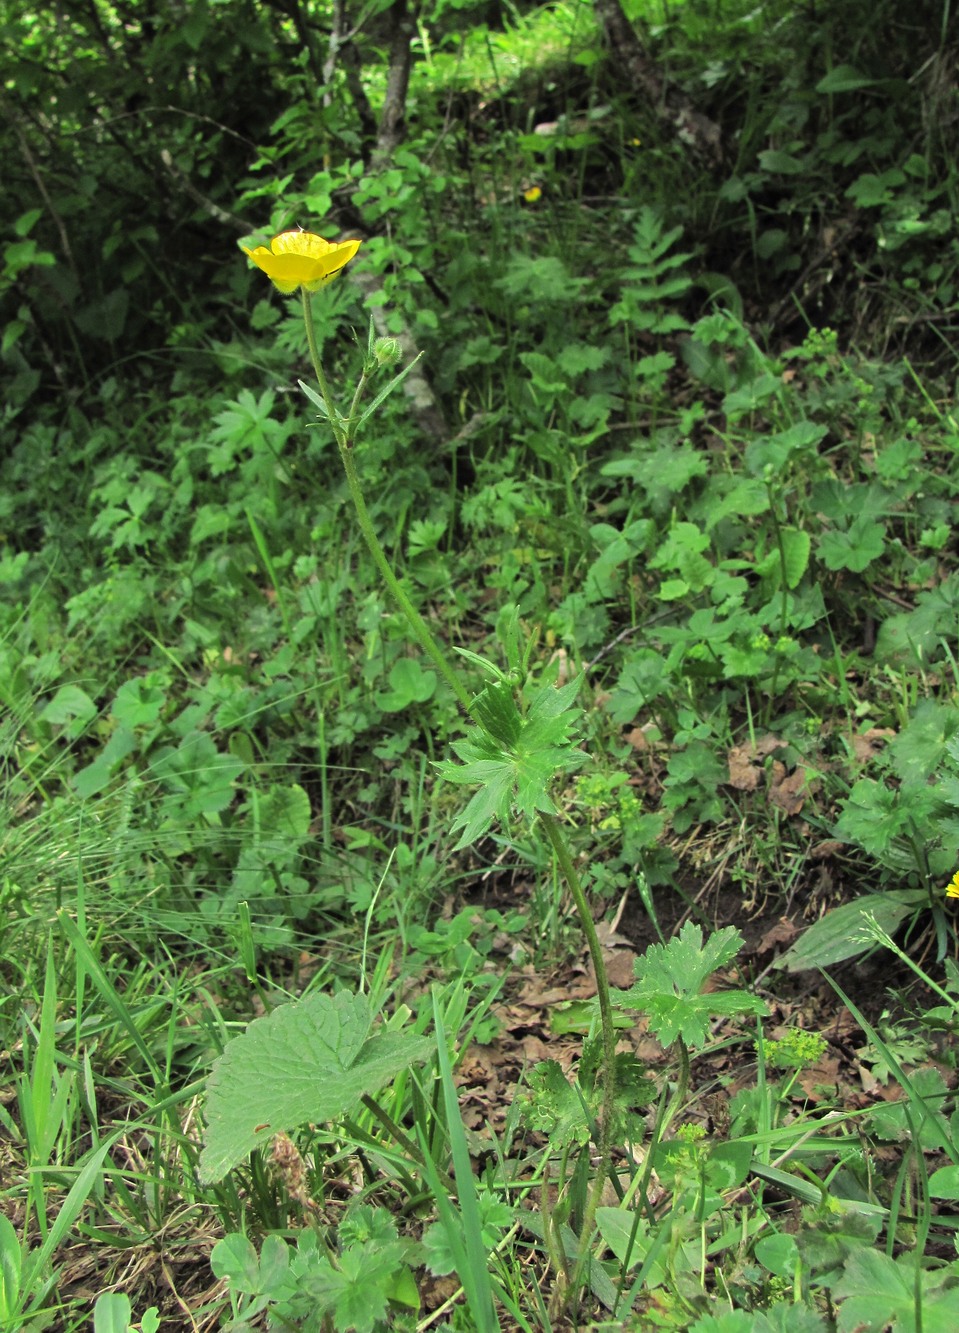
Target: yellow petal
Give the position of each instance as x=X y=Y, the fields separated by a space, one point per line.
x=301 y=259
x=301 y=243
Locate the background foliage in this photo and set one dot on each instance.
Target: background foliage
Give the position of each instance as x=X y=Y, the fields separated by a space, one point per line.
x=687 y=311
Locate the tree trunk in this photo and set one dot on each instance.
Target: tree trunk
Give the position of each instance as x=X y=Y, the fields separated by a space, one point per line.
x=670 y=103
x=393 y=120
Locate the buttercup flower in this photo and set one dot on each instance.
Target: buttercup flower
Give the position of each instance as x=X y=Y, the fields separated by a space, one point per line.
x=532 y=194
x=300 y=259
x=952 y=888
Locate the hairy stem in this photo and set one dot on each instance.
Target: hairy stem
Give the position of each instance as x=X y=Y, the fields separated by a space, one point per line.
x=561 y=850
x=416 y=622
x=342 y=431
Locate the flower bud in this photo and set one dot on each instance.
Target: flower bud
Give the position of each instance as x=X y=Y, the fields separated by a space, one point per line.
x=387 y=351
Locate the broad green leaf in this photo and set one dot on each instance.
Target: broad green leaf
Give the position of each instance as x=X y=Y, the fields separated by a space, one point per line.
x=944 y=1183
x=916 y=1118
x=670 y=978
x=199 y=777
x=97 y=775
x=748 y=497
x=796 y=547
x=784 y=1317
x=618 y=1228
x=554 y=1107
x=495 y=1216
x=11 y=1262
x=367 y=1274
x=777 y=451
x=543 y=372
x=778 y=1252
x=26 y=221
x=919 y=750
x=874 y=817
x=234 y=1258
x=774 y=159
x=829 y=1238
x=112 y=1313
x=409 y=684
x=140 y=701
x=841 y=934
x=862 y=543
x=71 y=707
x=307 y=1061
x=730 y=1321
x=284 y=812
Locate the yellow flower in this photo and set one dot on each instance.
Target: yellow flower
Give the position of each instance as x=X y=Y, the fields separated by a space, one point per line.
x=952 y=888
x=532 y=194
x=300 y=259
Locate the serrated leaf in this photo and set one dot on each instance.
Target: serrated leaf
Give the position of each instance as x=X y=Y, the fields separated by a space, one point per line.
x=307 y=1061
x=512 y=758
x=70 y=705
x=670 y=978
x=879 y=1292
x=200 y=778
x=366 y=1273
x=748 y=497
x=861 y=544
x=285 y=811
x=554 y=1106
x=494 y=1217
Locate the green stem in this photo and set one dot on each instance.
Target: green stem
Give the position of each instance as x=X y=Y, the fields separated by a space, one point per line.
x=354 y=406
x=416 y=622
x=561 y=851
x=342 y=431
x=333 y=415
x=681 y=1089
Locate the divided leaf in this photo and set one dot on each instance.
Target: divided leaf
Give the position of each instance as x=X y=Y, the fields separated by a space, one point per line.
x=879 y=1292
x=669 y=982
x=307 y=1061
x=513 y=758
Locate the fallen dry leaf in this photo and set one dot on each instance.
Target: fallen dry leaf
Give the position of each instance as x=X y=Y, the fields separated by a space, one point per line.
x=782 y=933
x=789 y=792
x=745 y=762
x=867 y=745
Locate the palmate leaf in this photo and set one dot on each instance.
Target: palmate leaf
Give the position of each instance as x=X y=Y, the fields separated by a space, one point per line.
x=513 y=757
x=669 y=981
x=876 y=1291
x=307 y=1061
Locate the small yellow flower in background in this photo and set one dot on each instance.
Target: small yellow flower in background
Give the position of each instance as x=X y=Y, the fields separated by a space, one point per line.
x=952 y=888
x=532 y=194
x=300 y=259
x=635 y=143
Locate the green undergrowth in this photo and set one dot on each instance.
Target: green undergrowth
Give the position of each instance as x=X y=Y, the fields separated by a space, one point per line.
x=269 y=902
